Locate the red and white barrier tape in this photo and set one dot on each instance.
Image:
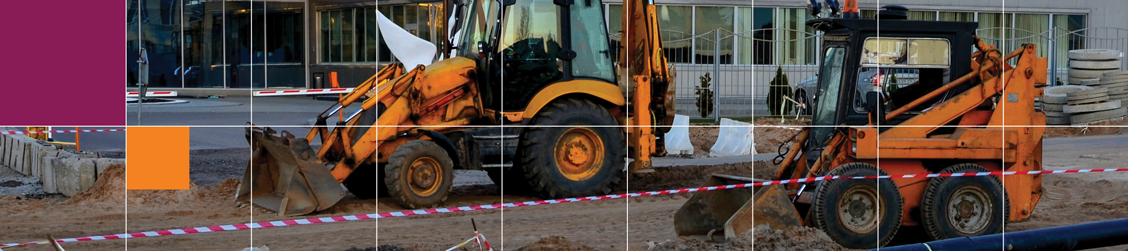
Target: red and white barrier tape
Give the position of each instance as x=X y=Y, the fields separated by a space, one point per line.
x=151 y=94
x=303 y=92
x=405 y=213
x=61 y=131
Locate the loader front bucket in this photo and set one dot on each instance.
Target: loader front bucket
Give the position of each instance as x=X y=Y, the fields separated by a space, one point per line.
x=285 y=175
x=719 y=215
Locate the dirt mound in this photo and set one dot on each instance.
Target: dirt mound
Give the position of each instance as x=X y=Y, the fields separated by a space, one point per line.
x=110 y=189
x=796 y=238
x=554 y=243
x=1083 y=199
x=762 y=238
x=693 y=176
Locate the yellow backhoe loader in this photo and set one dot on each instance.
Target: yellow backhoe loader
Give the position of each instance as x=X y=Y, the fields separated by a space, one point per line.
x=951 y=120
x=543 y=69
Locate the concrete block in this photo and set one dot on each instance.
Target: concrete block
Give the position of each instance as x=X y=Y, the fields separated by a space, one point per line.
x=40 y=153
x=7 y=151
x=3 y=149
x=101 y=164
x=29 y=158
x=74 y=175
x=17 y=157
x=47 y=174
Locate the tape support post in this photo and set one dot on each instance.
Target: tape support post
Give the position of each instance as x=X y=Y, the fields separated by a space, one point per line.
x=417 y=212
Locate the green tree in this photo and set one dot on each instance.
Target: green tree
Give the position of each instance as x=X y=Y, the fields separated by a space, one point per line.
x=779 y=89
x=704 y=96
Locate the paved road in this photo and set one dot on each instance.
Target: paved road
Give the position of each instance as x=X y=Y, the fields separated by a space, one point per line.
x=220 y=123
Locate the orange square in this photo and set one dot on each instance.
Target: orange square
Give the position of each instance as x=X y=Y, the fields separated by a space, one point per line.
x=156 y=158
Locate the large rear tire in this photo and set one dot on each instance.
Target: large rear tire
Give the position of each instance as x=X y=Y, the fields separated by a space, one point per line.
x=964 y=206
x=419 y=175
x=572 y=149
x=858 y=213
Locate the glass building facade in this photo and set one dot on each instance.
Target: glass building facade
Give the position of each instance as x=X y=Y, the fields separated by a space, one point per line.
x=227 y=44
x=295 y=43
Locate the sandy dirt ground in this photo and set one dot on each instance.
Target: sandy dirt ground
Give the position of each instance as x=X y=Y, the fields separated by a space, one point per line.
x=1100 y=128
x=631 y=224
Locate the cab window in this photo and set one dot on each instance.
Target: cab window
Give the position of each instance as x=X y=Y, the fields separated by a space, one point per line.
x=901 y=70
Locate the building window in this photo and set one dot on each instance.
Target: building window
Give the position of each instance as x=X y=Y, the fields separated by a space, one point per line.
x=713 y=20
x=676 y=24
x=351 y=35
x=957 y=16
x=911 y=15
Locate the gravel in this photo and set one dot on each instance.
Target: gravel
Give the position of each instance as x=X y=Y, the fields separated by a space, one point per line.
x=211 y=166
x=15 y=183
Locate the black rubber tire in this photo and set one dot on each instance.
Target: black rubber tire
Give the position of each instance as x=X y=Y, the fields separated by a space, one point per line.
x=495 y=175
x=801 y=97
x=826 y=199
x=397 y=177
x=367 y=182
x=362 y=182
x=940 y=192
x=536 y=157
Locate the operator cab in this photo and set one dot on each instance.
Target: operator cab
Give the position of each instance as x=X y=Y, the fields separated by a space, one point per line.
x=859 y=66
x=527 y=45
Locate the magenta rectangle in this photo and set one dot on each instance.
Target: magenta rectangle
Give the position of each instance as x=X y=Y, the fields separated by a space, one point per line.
x=64 y=63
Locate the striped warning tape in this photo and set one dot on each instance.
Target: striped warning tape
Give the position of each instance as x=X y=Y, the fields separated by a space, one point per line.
x=61 y=131
x=417 y=212
x=303 y=92
x=151 y=94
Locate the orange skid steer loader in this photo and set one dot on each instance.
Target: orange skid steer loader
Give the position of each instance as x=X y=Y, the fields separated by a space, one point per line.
x=566 y=108
x=950 y=120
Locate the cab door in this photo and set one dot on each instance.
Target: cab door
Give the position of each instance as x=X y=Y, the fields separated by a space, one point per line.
x=548 y=41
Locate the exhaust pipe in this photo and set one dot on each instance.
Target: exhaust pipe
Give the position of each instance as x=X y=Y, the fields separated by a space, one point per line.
x=1074 y=237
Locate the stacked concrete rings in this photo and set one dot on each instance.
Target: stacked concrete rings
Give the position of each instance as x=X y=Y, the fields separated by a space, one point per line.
x=1089 y=106
x=1055 y=100
x=1086 y=67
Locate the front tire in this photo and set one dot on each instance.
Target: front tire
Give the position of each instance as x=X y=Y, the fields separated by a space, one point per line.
x=419 y=175
x=573 y=149
x=964 y=206
x=366 y=182
x=858 y=213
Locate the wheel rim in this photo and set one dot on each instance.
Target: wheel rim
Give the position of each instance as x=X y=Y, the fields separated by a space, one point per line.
x=579 y=153
x=969 y=210
x=857 y=209
x=426 y=176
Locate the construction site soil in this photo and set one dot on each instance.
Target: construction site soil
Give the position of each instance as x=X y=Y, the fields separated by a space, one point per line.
x=643 y=223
